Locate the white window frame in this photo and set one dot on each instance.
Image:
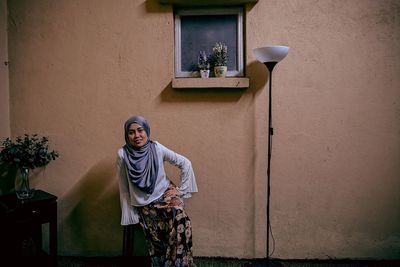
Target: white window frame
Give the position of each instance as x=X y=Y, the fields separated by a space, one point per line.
x=239 y=72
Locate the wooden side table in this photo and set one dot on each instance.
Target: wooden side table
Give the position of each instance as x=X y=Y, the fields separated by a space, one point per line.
x=21 y=224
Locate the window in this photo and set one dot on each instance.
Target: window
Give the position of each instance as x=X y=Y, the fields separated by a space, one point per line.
x=199 y=29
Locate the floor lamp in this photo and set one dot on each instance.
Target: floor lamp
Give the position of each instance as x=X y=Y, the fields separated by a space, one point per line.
x=270 y=56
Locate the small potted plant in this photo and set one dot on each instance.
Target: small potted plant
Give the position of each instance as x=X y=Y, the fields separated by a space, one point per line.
x=26 y=153
x=203 y=64
x=220 y=59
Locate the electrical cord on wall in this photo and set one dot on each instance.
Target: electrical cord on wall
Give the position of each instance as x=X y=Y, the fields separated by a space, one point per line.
x=269 y=192
x=273 y=242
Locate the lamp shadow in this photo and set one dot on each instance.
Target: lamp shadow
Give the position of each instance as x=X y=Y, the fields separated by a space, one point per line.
x=258 y=75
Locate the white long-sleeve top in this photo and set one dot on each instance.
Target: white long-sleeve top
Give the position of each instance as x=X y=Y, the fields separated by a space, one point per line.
x=131 y=196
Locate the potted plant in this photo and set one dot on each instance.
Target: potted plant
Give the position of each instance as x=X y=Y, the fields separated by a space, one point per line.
x=220 y=59
x=203 y=64
x=26 y=153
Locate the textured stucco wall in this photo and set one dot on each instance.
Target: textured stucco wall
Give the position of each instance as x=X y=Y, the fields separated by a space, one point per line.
x=80 y=68
x=336 y=171
x=4 y=91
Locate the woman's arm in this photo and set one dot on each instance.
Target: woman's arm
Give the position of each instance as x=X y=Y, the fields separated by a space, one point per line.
x=128 y=212
x=188 y=183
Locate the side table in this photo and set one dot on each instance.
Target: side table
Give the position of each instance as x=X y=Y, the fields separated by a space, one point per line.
x=21 y=224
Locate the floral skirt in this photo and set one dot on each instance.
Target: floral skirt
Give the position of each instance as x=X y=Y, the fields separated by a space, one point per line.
x=168 y=230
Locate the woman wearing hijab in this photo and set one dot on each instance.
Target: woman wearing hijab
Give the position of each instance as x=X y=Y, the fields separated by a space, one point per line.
x=148 y=197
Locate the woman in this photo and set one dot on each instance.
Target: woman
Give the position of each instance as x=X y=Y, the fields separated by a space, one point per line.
x=147 y=195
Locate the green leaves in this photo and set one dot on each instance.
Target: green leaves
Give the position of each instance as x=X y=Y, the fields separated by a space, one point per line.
x=30 y=151
x=220 y=54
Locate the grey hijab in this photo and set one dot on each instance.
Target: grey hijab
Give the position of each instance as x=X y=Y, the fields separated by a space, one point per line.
x=142 y=163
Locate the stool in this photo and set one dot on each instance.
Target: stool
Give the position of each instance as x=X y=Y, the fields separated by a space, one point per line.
x=128 y=257
x=127 y=242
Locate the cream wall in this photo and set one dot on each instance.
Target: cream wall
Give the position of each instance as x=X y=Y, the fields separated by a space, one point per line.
x=4 y=91
x=79 y=69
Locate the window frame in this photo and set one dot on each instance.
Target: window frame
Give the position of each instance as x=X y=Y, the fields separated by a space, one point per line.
x=237 y=11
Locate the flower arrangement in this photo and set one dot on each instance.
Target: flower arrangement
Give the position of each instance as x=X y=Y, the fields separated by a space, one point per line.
x=203 y=62
x=29 y=151
x=220 y=54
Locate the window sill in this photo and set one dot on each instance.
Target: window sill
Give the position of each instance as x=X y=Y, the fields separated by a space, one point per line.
x=192 y=3
x=210 y=82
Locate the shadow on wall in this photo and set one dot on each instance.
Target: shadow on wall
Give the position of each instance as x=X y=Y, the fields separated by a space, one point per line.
x=91 y=222
x=256 y=72
x=170 y=94
x=154 y=6
x=258 y=75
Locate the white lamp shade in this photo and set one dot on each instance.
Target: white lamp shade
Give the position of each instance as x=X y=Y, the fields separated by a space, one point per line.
x=271 y=53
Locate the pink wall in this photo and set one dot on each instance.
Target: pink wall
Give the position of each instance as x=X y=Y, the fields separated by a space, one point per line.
x=79 y=69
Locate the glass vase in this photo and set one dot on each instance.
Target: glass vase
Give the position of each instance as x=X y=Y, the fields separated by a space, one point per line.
x=22 y=187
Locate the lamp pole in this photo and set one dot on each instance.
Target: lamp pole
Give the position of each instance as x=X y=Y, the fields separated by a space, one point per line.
x=270 y=66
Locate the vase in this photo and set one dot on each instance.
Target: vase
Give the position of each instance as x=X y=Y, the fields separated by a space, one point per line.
x=22 y=187
x=204 y=73
x=220 y=71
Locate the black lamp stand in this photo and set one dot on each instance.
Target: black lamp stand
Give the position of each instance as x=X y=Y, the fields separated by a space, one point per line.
x=270 y=66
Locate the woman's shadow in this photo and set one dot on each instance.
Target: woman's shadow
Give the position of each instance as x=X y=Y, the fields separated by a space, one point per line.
x=92 y=213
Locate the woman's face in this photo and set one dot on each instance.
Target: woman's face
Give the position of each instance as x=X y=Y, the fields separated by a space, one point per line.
x=137 y=135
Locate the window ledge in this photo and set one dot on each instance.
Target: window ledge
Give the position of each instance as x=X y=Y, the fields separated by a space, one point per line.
x=210 y=82
x=208 y=2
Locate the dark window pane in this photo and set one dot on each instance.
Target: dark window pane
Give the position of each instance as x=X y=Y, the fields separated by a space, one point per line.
x=201 y=32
